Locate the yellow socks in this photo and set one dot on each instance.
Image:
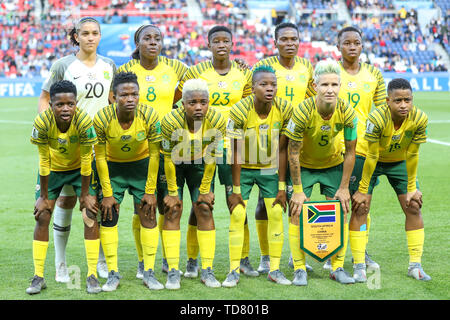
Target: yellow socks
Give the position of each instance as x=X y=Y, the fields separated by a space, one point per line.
x=275 y=234
x=337 y=261
x=246 y=244
x=298 y=256
x=368 y=227
x=160 y=228
x=136 y=227
x=109 y=237
x=39 y=255
x=358 y=240
x=207 y=246
x=149 y=240
x=236 y=236
x=415 y=239
x=192 y=242
x=261 y=230
x=92 y=248
x=171 y=239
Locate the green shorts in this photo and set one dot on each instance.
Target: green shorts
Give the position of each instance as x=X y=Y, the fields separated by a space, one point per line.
x=131 y=176
x=224 y=172
x=191 y=175
x=161 y=182
x=265 y=179
x=355 y=178
x=58 y=179
x=328 y=178
x=396 y=174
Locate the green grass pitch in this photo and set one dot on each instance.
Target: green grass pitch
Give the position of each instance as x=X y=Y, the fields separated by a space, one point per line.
x=387 y=244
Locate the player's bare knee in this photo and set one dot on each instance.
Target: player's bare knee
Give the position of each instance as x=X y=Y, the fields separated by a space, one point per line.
x=66 y=202
x=203 y=211
x=413 y=209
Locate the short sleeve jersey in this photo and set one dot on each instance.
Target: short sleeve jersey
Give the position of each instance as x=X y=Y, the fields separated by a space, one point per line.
x=157 y=86
x=64 y=146
x=394 y=143
x=93 y=83
x=321 y=142
x=261 y=136
x=294 y=85
x=184 y=146
x=224 y=90
x=127 y=145
x=361 y=91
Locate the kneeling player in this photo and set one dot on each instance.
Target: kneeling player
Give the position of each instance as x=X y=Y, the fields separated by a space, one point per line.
x=127 y=158
x=394 y=133
x=64 y=135
x=314 y=145
x=192 y=139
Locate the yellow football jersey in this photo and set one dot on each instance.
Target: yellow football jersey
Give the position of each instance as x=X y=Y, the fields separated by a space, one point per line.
x=294 y=85
x=64 y=147
x=130 y=144
x=321 y=138
x=394 y=143
x=362 y=91
x=261 y=136
x=157 y=86
x=224 y=90
x=183 y=146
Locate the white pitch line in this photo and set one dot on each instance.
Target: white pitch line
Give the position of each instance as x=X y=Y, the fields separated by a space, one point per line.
x=16 y=122
x=438 y=121
x=439 y=142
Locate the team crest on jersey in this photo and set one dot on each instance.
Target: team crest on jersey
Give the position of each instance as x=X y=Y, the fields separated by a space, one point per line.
x=62 y=141
x=140 y=135
x=106 y=75
x=290 y=77
x=73 y=139
x=396 y=137
x=150 y=78
x=125 y=138
x=366 y=87
x=408 y=134
x=325 y=127
x=165 y=78
x=222 y=84
x=351 y=85
x=302 y=78
x=277 y=125
x=338 y=126
x=236 y=85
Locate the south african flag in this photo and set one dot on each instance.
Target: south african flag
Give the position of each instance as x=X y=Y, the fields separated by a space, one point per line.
x=321 y=213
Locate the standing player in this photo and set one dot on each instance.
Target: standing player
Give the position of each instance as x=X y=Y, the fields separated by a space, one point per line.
x=64 y=135
x=92 y=75
x=362 y=85
x=158 y=78
x=295 y=83
x=227 y=84
x=393 y=134
x=315 y=156
x=192 y=139
x=127 y=157
x=258 y=124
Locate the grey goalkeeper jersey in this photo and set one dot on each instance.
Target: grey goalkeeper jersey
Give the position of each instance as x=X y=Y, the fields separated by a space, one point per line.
x=93 y=83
